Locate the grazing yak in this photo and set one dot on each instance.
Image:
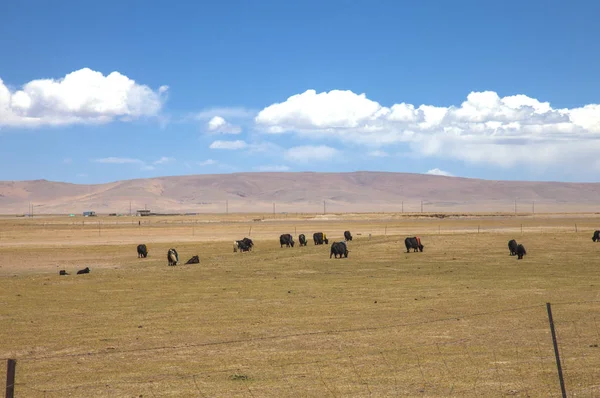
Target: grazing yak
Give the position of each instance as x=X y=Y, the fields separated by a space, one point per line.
x=319 y=238
x=63 y=272
x=240 y=245
x=193 y=260
x=248 y=242
x=596 y=237
x=338 y=248
x=287 y=240
x=520 y=251
x=512 y=246
x=86 y=270
x=172 y=257
x=142 y=251
x=413 y=243
x=347 y=235
x=302 y=239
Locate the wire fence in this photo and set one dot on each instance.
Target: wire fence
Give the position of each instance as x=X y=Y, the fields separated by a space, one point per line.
x=506 y=352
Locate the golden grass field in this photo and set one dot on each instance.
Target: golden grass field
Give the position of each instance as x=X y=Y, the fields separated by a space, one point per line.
x=463 y=318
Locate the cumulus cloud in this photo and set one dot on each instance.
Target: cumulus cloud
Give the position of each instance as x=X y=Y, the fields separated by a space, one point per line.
x=272 y=168
x=438 y=172
x=231 y=145
x=485 y=128
x=82 y=96
x=308 y=153
x=219 y=125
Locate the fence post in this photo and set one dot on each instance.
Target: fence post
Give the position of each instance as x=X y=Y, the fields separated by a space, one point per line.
x=575 y=228
x=560 y=374
x=11 y=365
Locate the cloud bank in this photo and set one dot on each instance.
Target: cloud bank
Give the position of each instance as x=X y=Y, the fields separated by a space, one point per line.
x=82 y=96
x=485 y=128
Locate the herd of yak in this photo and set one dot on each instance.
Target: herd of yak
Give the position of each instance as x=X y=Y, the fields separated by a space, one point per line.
x=337 y=248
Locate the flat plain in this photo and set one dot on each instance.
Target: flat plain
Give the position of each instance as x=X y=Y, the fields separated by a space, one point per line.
x=461 y=318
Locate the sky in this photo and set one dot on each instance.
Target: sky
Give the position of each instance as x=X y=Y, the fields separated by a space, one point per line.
x=93 y=92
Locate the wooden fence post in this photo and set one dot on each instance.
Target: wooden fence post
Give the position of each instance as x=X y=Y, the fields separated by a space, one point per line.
x=555 y=343
x=10 y=377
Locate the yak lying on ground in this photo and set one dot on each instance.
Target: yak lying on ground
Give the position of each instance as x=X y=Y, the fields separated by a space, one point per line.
x=172 y=256
x=520 y=251
x=413 y=243
x=302 y=239
x=319 y=238
x=86 y=270
x=241 y=246
x=347 y=235
x=287 y=240
x=63 y=272
x=596 y=237
x=193 y=260
x=142 y=251
x=512 y=246
x=338 y=249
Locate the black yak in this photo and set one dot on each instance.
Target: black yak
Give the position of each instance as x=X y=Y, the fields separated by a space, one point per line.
x=512 y=246
x=338 y=248
x=413 y=243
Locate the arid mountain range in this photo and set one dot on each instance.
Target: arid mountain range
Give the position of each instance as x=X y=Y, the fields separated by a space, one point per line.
x=304 y=192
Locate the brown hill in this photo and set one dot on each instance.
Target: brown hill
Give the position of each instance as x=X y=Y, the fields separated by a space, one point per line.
x=298 y=192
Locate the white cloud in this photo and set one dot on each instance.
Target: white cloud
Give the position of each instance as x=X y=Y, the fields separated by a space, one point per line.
x=82 y=96
x=485 y=128
x=219 y=125
x=238 y=144
x=163 y=160
x=272 y=168
x=308 y=153
x=378 y=154
x=67 y=160
x=206 y=162
x=438 y=172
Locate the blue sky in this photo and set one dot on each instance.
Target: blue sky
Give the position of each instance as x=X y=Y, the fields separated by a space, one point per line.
x=101 y=91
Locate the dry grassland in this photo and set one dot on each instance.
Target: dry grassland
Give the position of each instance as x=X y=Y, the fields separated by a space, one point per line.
x=462 y=318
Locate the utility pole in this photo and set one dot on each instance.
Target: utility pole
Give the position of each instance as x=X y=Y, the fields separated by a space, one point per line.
x=226 y=207
x=533 y=207
x=130 y=208
x=421 y=206
x=402 y=206
x=273 y=208
x=324 y=208
x=515 y=206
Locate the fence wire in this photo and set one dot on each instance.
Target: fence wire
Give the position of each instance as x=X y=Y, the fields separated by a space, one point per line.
x=497 y=353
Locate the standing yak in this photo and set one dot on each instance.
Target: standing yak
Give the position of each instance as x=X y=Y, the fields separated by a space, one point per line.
x=413 y=243
x=520 y=251
x=319 y=238
x=287 y=240
x=241 y=245
x=596 y=237
x=142 y=251
x=347 y=235
x=339 y=248
x=173 y=257
x=248 y=243
x=512 y=246
x=302 y=239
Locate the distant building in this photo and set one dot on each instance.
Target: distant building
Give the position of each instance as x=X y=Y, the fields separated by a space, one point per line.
x=143 y=212
x=89 y=214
